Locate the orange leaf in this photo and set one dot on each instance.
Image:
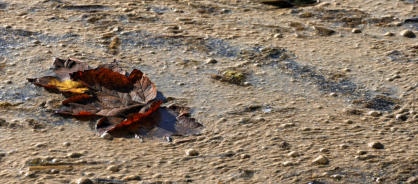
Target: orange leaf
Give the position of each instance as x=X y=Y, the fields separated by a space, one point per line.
x=134 y=122
x=83 y=98
x=104 y=77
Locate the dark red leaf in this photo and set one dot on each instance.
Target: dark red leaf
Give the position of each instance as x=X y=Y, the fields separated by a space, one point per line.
x=83 y=115
x=137 y=120
x=82 y=99
x=103 y=77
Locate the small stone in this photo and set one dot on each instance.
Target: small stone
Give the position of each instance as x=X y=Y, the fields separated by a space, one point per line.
x=402 y=117
x=343 y=146
x=322 y=31
x=53 y=171
x=113 y=168
x=41 y=145
x=84 y=181
x=75 y=155
x=407 y=33
x=278 y=35
x=288 y=163
x=305 y=129
x=293 y=154
x=36 y=42
x=66 y=144
x=374 y=113
x=31 y=175
x=211 y=61
x=361 y=152
x=321 y=160
x=356 y=30
x=337 y=176
x=106 y=136
x=323 y=150
x=287 y=125
x=376 y=145
x=349 y=122
x=3 y=122
x=229 y=153
x=245 y=156
x=389 y=34
x=132 y=178
x=192 y=152
x=412 y=180
x=333 y=94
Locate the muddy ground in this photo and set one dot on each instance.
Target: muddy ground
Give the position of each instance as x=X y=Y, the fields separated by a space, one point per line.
x=324 y=85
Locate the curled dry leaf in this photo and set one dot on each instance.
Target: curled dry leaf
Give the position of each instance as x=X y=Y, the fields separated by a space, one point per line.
x=61 y=83
x=125 y=104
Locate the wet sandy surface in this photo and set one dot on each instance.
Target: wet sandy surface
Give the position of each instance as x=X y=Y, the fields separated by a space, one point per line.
x=306 y=94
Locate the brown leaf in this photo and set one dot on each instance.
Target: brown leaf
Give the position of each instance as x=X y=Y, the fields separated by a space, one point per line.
x=152 y=121
x=137 y=85
x=63 y=68
x=124 y=103
x=61 y=83
x=55 y=85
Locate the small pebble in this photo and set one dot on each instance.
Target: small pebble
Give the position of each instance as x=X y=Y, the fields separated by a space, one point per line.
x=407 y=33
x=211 y=61
x=412 y=180
x=245 y=156
x=75 y=155
x=288 y=163
x=349 y=122
x=389 y=34
x=356 y=30
x=40 y=145
x=66 y=144
x=229 y=153
x=322 y=31
x=320 y=160
x=278 y=35
x=402 y=117
x=54 y=171
x=84 y=181
x=287 y=125
x=333 y=94
x=132 y=178
x=337 y=176
x=106 y=136
x=192 y=152
x=374 y=113
x=113 y=168
x=293 y=154
x=306 y=129
x=376 y=145
x=323 y=150
x=361 y=152
x=343 y=146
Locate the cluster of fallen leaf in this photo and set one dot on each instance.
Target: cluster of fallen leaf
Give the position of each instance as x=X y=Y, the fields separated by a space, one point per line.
x=124 y=104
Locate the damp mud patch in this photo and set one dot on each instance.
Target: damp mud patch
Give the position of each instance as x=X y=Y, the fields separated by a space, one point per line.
x=347 y=18
x=87 y=8
x=279 y=59
x=18 y=95
x=15 y=39
x=333 y=83
x=144 y=39
x=3 y=5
